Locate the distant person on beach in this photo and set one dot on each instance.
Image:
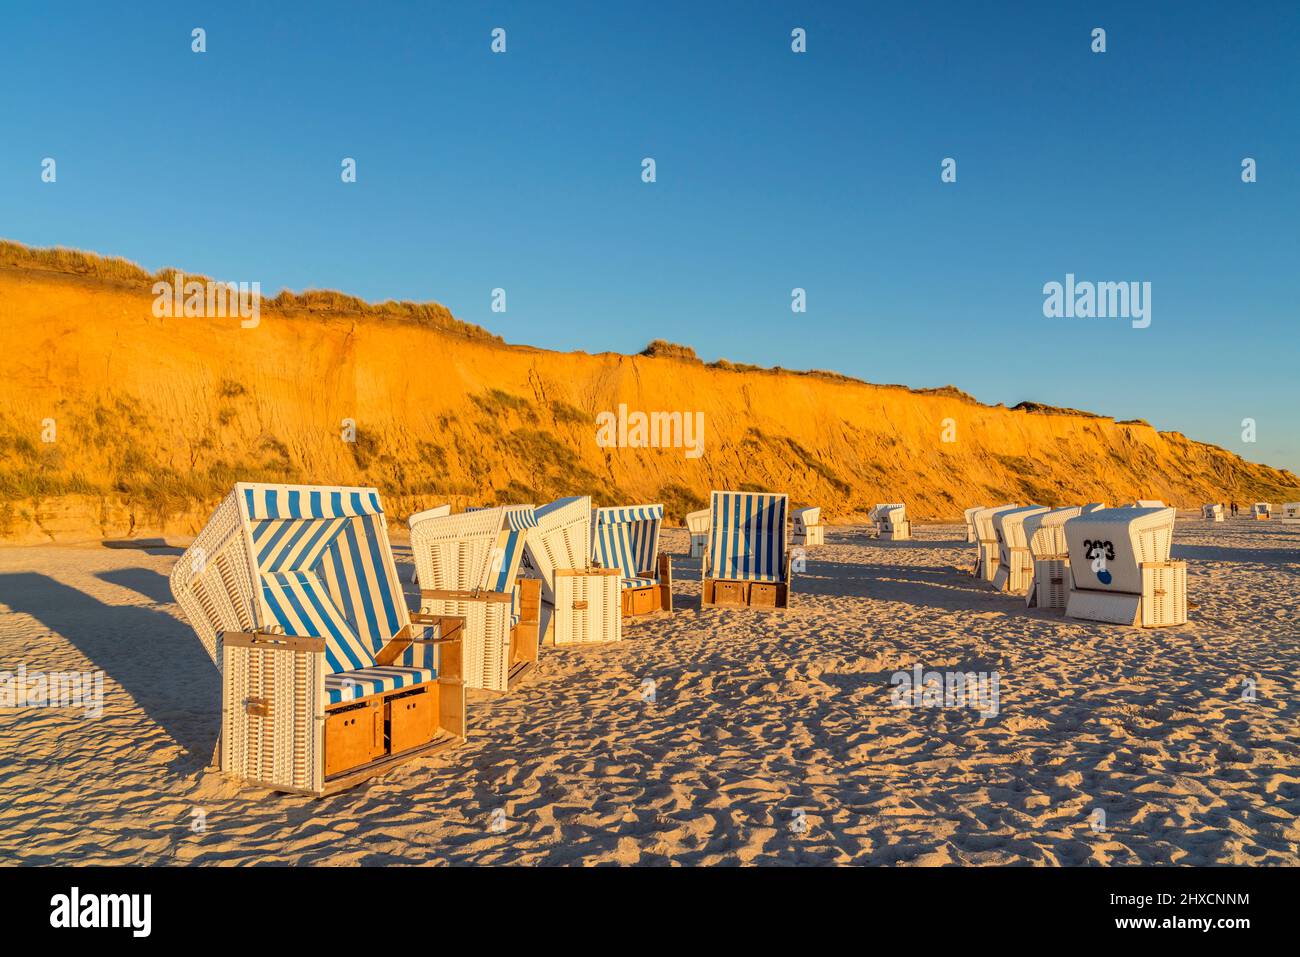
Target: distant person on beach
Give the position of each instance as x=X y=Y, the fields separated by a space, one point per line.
x=1234 y=508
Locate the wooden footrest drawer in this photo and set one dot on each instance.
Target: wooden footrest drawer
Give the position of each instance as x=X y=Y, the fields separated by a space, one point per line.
x=412 y=718
x=353 y=736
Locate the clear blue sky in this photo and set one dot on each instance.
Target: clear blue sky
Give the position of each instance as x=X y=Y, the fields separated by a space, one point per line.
x=775 y=170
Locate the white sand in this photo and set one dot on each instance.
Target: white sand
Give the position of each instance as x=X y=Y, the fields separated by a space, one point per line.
x=758 y=716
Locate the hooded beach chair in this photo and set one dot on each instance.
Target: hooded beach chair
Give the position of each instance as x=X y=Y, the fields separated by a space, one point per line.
x=891 y=521
x=436 y=512
x=1120 y=568
x=1044 y=532
x=627 y=538
x=746 y=562
x=1290 y=513
x=581 y=603
x=1261 y=510
x=1212 y=513
x=326 y=676
x=986 y=542
x=1015 y=561
x=697 y=524
x=970 y=524
x=468 y=566
x=807 y=526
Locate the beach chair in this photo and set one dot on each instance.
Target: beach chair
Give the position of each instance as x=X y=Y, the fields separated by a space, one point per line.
x=1015 y=569
x=697 y=524
x=468 y=566
x=1261 y=511
x=1291 y=513
x=1120 y=568
x=970 y=524
x=325 y=678
x=891 y=521
x=627 y=539
x=582 y=603
x=986 y=542
x=746 y=563
x=807 y=527
x=436 y=512
x=1212 y=513
x=1044 y=532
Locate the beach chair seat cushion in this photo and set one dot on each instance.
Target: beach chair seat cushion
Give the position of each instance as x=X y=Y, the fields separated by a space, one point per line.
x=639 y=582
x=364 y=682
x=757 y=577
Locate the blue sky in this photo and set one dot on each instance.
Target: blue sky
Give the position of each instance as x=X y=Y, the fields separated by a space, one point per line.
x=775 y=170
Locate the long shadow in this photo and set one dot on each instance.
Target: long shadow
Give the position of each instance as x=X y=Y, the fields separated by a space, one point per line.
x=144 y=581
x=151 y=546
x=155 y=658
x=931 y=586
x=1249 y=556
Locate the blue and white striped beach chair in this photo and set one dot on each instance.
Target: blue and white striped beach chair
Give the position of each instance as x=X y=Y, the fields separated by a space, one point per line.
x=746 y=562
x=468 y=566
x=326 y=676
x=627 y=538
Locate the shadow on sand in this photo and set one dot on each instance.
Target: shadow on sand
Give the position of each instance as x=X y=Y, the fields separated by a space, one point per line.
x=155 y=658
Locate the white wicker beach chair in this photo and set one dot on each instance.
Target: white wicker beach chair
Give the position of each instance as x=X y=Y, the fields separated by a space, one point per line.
x=1291 y=513
x=436 y=512
x=1261 y=510
x=1212 y=512
x=746 y=562
x=1045 y=537
x=891 y=521
x=986 y=542
x=807 y=528
x=581 y=602
x=1015 y=560
x=468 y=566
x=627 y=538
x=1121 y=571
x=970 y=523
x=697 y=524
x=293 y=591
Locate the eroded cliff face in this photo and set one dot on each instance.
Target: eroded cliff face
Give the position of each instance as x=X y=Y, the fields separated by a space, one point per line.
x=115 y=422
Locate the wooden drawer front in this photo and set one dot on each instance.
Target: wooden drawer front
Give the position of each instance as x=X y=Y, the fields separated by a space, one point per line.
x=729 y=593
x=412 y=719
x=763 y=594
x=353 y=737
x=643 y=600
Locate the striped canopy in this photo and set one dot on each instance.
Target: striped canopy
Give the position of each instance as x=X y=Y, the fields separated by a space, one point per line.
x=747 y=536
x=325 y=569
x=504 y=568
x=627 y=538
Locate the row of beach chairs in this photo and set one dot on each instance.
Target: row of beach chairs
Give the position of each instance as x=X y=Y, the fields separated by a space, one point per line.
x=329 y=678
x=1092 y=562
x=1262 y=511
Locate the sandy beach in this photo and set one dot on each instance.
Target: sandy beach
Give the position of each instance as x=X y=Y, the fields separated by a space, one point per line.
x=771 y=737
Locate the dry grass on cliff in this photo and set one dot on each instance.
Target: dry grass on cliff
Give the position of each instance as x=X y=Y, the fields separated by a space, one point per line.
x=310 y=302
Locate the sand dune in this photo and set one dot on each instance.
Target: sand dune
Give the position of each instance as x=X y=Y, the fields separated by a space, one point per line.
x=759 y=722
